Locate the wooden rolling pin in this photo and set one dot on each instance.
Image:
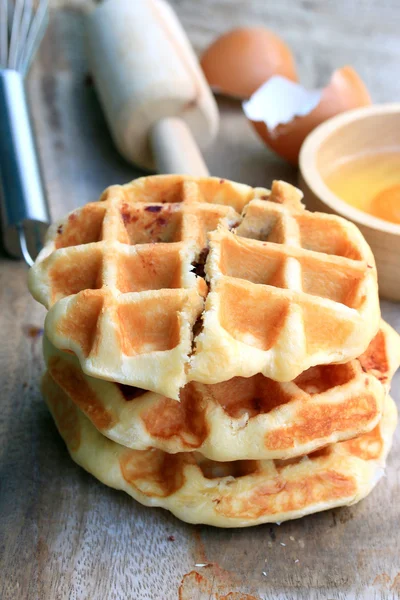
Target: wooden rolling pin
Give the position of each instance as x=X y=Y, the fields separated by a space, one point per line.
x=154 y=95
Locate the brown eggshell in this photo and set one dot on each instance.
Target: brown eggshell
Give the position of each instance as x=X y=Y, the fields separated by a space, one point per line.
x=345 y=91
x=240 y=61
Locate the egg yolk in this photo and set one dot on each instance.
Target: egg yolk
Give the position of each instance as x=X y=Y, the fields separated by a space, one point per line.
x=370 y=182
x=386 y=204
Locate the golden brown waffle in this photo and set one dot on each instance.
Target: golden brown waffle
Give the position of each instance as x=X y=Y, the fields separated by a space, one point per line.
x=289 y=289
x=122 y=279
x=124 y=269
x=254 y=418
x=235 y=494
x=120 y=276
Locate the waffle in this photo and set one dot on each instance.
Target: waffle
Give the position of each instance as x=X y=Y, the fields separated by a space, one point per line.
x=123 y=279
x=235 y=494
x=254 y=418
x=289 y=289
x=119 y=276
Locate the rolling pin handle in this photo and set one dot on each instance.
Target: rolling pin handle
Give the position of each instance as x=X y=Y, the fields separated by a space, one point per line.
x=175 y=149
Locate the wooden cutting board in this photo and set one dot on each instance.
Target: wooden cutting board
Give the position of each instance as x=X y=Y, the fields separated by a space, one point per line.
x=62 y=534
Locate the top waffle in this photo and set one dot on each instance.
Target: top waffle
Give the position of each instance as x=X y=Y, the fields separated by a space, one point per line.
x=124 y=281
x=289 y=289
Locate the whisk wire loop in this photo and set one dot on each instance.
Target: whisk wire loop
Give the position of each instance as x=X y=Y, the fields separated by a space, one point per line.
x=36 y=31
x=3 y=33
x=22 y=26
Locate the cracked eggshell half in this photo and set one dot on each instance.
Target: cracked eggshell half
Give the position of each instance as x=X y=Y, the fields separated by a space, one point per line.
x=283 y=113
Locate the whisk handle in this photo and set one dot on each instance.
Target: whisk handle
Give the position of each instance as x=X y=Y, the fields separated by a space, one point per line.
x=25 y=214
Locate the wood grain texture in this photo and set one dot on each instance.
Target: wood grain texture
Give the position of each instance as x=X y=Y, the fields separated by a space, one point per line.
x=62 y=534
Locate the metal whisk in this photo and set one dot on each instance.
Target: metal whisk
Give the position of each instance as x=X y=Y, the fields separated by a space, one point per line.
x=24 y=208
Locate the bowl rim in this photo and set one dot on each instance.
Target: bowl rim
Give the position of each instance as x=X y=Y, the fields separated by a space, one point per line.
x=313 y=179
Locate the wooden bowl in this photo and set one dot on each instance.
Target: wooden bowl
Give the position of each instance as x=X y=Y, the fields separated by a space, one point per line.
x=370 y=129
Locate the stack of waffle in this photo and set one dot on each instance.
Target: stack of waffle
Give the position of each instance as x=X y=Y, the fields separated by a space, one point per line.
x=217 y=350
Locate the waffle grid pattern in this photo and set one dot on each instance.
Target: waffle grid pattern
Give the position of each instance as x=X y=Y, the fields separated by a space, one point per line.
x=234 y=494
x=120 y=279
x=289 y=290
x=121 y=275
x=253 y=418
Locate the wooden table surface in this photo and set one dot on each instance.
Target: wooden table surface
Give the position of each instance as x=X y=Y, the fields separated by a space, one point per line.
x=62 y=534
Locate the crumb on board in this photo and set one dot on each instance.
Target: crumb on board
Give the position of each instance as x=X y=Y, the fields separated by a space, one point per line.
x=32 y=331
